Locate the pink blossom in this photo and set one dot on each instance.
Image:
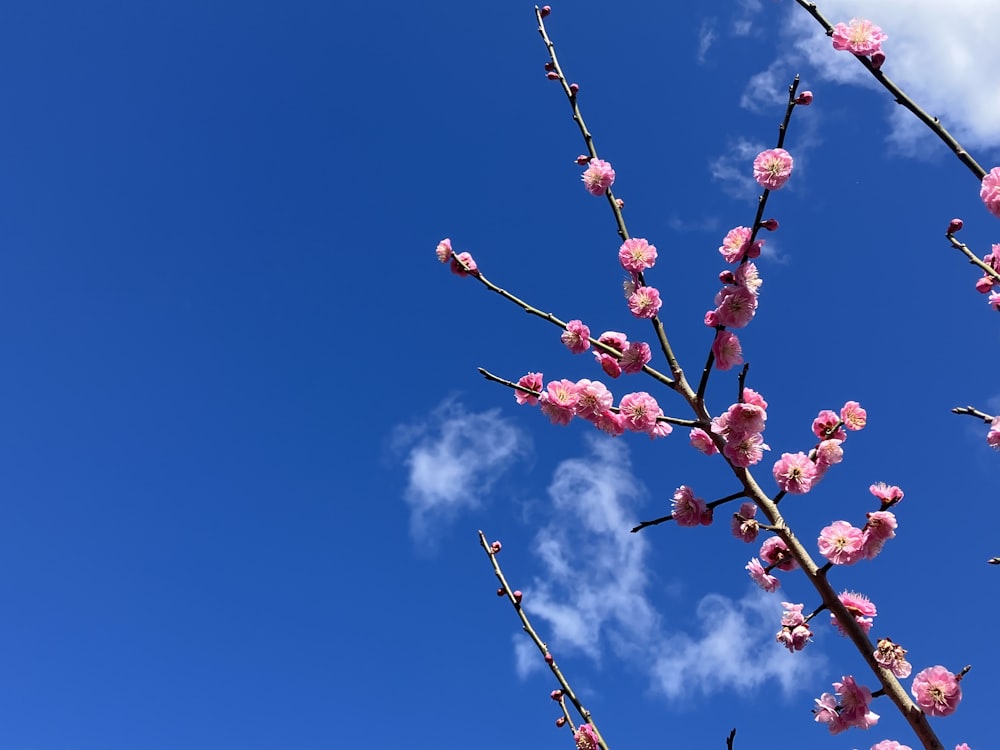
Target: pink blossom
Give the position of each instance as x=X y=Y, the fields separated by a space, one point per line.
x=743 y=524
x=990 y=191
x=888 y=495
x=748 y=276
x=559 y=400
x=993 y=436
x=861 y=37
x=532 y=380
x=662 y=428
x=794 y=473
x=464 y=261
x=963 y=746
x=736 y=306
x=609 y=364
x=727 y=350
x=614 y=339
x=775 y=552
x=994 y=301
x=736 y=245
x=854 y=701
x=635 y=357
x=772 y=168
x=744 y=418
x=576 y=337
x=936 y=691
x=805 y=98
x=828 y=453
x=594 y=399
x=762 y=578
x=750 y=396
x=610 y=422
x=881 y=527
x=598 y=177
x=892 y=657
x=636 y=255
x=853 y=416
x=443 y=250
x=828 y=425
x=745 y=451
x=640 y=411
x=644 y=302
x=841 y=543
x=890 y=745
x=795 y=632
x=688 y=509
x=586 y=738
x=859 y=606
x=827 y=712
x=703 y=442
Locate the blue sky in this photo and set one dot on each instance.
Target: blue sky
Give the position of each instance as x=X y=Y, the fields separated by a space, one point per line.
x=245 y=447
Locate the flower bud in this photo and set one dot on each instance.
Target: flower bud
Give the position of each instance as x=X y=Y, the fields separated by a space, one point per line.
x=770 y=224
x=556 y=695
x=805 y=98
x=620 y=203
x=574 y=87
x=552 y=75
x=984 y=284
x=548 y=658
x=518 y=596
x=727 y=277
x=955 y=225
x=546 y=9
x=500 y=592
x=561 y=721
x=496 y=547
x=550 y=65
x=582 y=159
x=877 y=59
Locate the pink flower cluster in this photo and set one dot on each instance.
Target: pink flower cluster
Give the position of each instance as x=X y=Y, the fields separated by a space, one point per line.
x=598 y=177
x=772 y=168
x=936 y=691
x=985 y=283
x=586 y=738
x=736 y=245
x=561 y=400
x=688 y=509
x=741 y=427
x=776 y=554
x=860 y=606
x=892 y=656
x=743 y=525
x=795 y=632
x=797 y=473
x=462 y=264
x=852 y=709
x=636 y=255
x=843 y=544
x=860 y=37
x=634 y=355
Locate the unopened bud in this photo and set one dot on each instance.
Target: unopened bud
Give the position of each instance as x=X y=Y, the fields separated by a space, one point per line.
x=546 y=9
x=552 y=75
x=548 y=658
x=518 y=596
x=770 y=224
x=955 y=225
x=805 y=98
x=582 y=159
x=500 y=592
x=620 y=203
x=556 y=695
x=574 y=87
x=496 y=547
x=727 y=277
x=550 y=65
x=877 y=59
x=984 y=284
x=561 y=721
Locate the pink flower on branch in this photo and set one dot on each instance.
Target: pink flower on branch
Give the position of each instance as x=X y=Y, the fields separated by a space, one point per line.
x=993 y=436
x=586 y=738
x=853 y=416
x=880 y=528
x=688 y=509
x=532 y=380
x=775 y=552
x=464 y=265
x=762 y=578
x=443 y=250
x=559 y=400
x=860 y=607
x=860 y=37
x=794 y=473
x=736 y=245
x=644 y=302
x=772 y=168
x=841 y=543
x=990 y=191
x=892 y=657
x=594 y=399
x=936 y=691
x=890 y=745
x=636 y=255
x=598 y=177
x=794 y=633
x=636 y=356
x=727 y=350
x=743 y=524
x=576 y=337
x=888 y=495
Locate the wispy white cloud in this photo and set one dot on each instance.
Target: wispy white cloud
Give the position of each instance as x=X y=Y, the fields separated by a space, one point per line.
x=706 y=36
x=742 y=25
x=943 y=54
x=453 y=460
x=592 y=595
x=736 y=650
x=733 y=169
x=688 y=224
